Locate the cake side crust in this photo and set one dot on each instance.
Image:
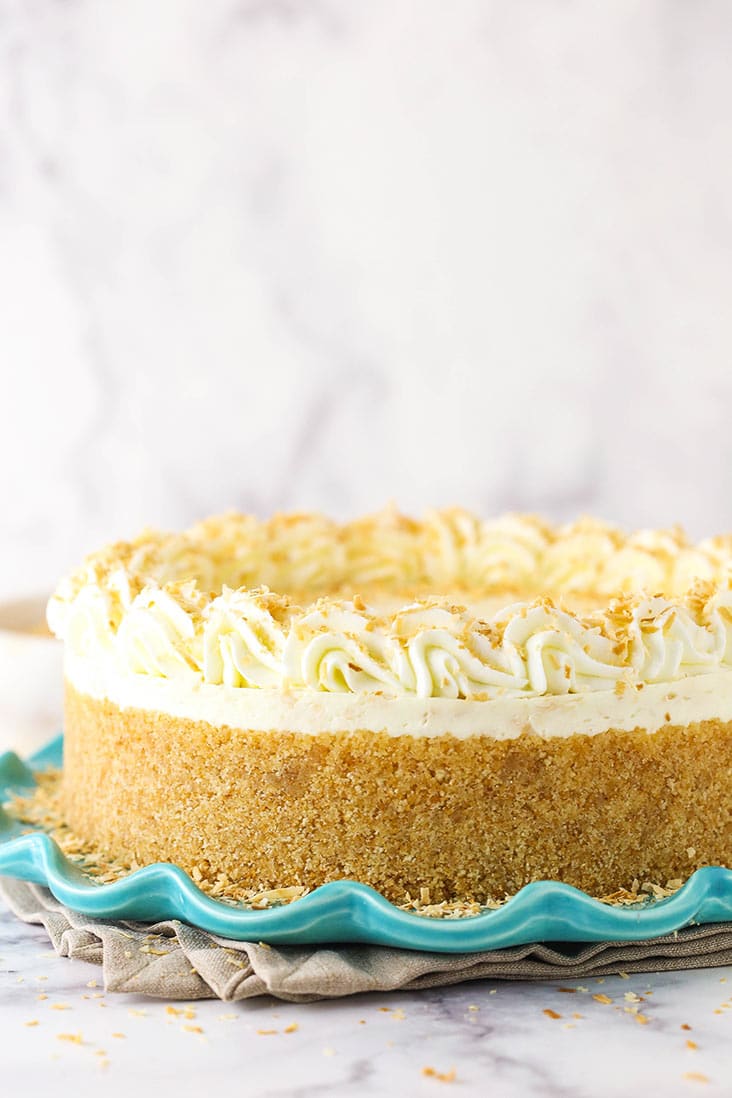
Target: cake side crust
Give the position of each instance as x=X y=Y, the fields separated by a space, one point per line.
x=465 y=818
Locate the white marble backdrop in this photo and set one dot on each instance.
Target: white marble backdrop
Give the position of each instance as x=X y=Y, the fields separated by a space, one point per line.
x=316 y=253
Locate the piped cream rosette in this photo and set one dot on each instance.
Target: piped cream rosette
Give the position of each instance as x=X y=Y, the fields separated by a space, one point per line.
x=195 y=605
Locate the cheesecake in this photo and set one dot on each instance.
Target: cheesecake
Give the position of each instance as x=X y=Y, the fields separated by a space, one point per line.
x=451 y=706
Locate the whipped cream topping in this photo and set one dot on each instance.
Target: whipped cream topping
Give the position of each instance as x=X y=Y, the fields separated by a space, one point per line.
x=162 y=606
x=447 y=551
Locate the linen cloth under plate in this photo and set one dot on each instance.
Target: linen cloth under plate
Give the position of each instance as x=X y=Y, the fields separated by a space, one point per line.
x=172 y=960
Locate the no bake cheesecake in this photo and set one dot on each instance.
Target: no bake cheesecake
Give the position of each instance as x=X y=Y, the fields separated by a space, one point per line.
x=452 y=705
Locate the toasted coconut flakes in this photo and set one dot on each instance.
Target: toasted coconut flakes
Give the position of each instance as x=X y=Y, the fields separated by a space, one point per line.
x=602 y=999
x=642 y=894
x=73 y=1038
x=276 y=896
x=292 y=1028
x=34 y=1022
x=692 y=1045
x=442 y=1076
x=448 y=909
x=551 y=1013
x=695 y=1077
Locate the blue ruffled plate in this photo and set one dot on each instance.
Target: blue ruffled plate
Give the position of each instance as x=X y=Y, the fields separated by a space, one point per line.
x=344 y=911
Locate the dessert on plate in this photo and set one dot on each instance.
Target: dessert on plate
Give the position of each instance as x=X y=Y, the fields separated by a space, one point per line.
x=450 y=707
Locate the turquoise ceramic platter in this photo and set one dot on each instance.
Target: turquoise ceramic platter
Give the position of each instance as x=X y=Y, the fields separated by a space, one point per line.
x=344 y=911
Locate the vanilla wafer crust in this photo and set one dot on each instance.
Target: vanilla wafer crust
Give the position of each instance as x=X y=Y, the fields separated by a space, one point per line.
x=463 y=818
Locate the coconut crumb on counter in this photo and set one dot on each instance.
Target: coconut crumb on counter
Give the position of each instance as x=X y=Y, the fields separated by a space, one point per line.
x=441 y=1076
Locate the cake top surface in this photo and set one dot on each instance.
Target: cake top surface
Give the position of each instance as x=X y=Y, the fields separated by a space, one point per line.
x=450 y=605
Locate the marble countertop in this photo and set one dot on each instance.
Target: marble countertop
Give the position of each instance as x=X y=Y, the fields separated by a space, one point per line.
x=62 y=1034
x=280 y=255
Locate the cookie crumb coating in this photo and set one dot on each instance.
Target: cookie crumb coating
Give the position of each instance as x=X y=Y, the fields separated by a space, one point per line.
x=464 y=819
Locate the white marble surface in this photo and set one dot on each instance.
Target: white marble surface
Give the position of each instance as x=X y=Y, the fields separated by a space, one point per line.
x=369 y=1045
x=311 y=253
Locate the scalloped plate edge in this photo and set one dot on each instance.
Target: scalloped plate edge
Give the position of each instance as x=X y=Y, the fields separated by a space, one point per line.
x=346 y=911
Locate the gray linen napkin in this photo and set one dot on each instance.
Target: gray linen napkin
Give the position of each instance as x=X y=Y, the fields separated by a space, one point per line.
x=172 y=960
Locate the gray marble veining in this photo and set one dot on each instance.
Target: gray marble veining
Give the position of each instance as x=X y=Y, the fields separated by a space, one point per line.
x=495 y=1036
x=277 y=255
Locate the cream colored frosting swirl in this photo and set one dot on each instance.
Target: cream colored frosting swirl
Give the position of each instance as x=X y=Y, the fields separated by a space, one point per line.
x=253 y=639
x=163 y=606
